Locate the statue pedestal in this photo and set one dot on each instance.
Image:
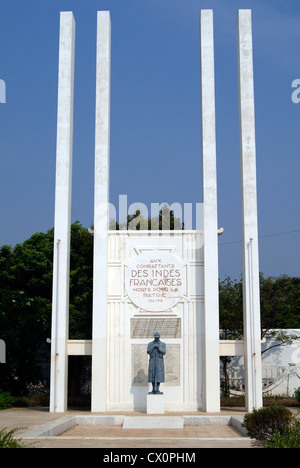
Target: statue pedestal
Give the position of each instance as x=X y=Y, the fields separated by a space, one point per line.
x=155 y=404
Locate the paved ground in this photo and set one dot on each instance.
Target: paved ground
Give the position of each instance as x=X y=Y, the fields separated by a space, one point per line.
x=28 y=418
x=111 y=437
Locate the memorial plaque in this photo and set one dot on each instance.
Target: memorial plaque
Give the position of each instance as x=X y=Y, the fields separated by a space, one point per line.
x=155 y=281
x=146 y=327
x=139 y=365
x=172 y=365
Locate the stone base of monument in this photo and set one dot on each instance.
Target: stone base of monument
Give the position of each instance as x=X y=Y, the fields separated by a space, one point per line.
x=153 y=422
x=155 y=403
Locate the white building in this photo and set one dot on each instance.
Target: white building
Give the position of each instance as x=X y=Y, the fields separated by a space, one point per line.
x=280 y=367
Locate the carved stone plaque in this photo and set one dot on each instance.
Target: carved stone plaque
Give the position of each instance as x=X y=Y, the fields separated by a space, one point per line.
x=146 y=327
x=139 y=365
x=155 y=281
x=172 y=365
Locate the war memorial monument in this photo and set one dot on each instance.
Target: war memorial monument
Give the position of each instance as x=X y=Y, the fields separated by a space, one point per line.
x=155 y=281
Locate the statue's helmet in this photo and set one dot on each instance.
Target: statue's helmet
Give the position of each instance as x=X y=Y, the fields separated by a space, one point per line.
x=156 y=335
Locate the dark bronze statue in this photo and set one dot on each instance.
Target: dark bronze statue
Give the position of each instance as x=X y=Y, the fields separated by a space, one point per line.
x=156 y=372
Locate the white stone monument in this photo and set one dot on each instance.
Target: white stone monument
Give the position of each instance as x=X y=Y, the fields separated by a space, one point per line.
x=62 y=221
x=210 y=222
x=252 y=328
x=101 y=212
x=148 y=281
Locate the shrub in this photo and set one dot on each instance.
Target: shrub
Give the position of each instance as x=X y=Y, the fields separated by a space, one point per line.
x=262 y=424
x=6 y=400
x=8 y=441
x=290 y=438
x=297 y=394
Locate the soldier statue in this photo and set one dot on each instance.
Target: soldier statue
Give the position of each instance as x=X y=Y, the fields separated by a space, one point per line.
x=156 y=372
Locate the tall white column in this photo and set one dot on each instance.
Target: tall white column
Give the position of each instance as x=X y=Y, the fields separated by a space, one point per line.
x=251 y=294
x=211 y=286
x=101 y=213
x=62 y=221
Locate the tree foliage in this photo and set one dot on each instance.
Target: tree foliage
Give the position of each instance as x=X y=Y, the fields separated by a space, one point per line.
x=166 y=220
x=231 y=309
x=279 y=303
x=25 y=303
x=25 y=308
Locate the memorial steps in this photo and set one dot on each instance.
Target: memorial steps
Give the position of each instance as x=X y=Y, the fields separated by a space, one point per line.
x=119 y=431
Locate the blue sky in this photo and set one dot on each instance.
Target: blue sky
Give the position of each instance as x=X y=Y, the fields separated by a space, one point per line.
x=155 y=116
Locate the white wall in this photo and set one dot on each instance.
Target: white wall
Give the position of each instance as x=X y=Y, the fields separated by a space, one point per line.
x=280 y=366
x=187 y=393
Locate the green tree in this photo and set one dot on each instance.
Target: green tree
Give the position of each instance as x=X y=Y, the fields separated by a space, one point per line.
x=231 y=309
x=231 y=320
x=26 y=304
x=81 y=283
x=280 y=302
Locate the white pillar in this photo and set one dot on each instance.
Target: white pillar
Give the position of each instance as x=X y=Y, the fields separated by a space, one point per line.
x=62 y=221
x=252 y=328
x=101 y=213
x=211 y=286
